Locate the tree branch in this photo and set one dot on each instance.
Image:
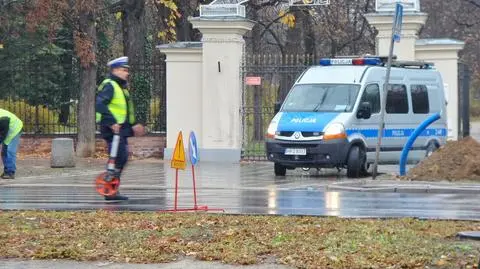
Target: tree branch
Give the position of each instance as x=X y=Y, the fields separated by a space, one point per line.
x=464 y=24
x=279 y=44
x=267 y=27
x=473 y=2
x=116 y=6
x=265 y=4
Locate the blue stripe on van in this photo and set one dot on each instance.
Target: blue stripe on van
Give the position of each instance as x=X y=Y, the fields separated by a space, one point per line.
x=372 y=133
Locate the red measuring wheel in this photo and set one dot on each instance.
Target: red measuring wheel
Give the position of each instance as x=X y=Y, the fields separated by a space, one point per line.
x=106 y=187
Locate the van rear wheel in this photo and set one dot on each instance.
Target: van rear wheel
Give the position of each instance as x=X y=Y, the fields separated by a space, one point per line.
x=356 y=162
x=280 y=170
x=430 y=149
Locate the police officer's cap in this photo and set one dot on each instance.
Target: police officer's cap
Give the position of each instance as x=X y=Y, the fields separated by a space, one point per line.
x=119 y=62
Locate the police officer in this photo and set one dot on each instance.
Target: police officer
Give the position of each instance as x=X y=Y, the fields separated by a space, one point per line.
x=10 y=132
x=115 y=114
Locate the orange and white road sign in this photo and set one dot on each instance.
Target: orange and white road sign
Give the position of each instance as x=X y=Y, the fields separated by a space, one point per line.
x=178 y=157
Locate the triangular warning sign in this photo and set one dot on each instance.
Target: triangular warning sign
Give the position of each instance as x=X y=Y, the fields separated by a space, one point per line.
x=178 y=157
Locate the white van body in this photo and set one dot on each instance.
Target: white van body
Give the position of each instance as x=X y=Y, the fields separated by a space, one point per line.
x=320 y=123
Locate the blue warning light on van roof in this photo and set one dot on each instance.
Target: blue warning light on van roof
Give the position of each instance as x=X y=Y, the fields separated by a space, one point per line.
x=350 y=61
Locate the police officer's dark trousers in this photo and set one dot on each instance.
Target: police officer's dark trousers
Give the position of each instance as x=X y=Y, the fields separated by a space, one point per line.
x=122 y=153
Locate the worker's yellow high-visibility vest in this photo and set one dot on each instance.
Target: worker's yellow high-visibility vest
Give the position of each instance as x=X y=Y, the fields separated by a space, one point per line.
x=118 y=104
x=14 y=127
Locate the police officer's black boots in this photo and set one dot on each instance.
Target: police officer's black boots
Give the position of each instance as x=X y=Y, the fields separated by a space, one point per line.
x=116 y=197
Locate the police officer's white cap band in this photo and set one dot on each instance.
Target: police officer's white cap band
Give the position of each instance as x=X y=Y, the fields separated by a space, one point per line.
x=119 y=62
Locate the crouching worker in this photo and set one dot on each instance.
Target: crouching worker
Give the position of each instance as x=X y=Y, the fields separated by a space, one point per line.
x=115 y=114
x=10 y=132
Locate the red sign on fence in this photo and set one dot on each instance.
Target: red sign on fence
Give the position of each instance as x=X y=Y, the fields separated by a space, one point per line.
x=253 y=81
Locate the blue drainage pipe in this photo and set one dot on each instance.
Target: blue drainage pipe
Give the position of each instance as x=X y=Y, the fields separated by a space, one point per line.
x=411 y=139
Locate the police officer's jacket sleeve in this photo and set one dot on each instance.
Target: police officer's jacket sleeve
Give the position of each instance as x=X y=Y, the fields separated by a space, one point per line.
x=103 y=99
x=4 y=127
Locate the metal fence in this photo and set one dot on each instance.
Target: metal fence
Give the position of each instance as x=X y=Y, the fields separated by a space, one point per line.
x=276 y=74
x=45 y=95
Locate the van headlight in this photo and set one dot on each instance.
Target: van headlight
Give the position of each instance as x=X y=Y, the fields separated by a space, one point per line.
x=273 y=126
x=272 y=129
x=334 y=131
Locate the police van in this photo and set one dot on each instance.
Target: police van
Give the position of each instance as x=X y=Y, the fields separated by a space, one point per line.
x=330 y=117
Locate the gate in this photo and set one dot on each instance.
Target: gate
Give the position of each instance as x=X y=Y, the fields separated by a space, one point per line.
x=266 y=80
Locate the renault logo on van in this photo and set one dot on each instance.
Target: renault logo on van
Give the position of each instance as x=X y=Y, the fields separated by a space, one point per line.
x=303 y=120
x=296 y=135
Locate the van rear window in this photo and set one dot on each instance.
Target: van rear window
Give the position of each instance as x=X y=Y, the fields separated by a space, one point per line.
x=397 y=100
x=420 y=104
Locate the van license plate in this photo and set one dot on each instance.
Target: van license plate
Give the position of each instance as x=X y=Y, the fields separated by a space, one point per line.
x=295 y=151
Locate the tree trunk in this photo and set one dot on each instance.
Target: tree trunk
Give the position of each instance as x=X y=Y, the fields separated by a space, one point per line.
x=88 y=74
x=184 y=28
x=134 y=41
x=134 y=32
x=293 y=47
x=66 y=92
x=255 y=50
x=309 y=37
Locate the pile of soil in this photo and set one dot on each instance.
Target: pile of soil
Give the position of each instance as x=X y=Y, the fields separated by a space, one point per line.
x=456 y=160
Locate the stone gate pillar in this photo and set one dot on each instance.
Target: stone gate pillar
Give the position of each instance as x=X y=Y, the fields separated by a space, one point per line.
x=183 y=93
x=382 y=20
x=222 y=53
x=444 y=54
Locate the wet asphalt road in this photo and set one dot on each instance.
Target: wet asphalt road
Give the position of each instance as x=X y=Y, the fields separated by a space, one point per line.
x=234 y=188
x=237 y=189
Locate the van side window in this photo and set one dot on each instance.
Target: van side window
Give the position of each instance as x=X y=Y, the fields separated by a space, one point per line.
x=397 y=100
x=420 y=102
x=372 y=95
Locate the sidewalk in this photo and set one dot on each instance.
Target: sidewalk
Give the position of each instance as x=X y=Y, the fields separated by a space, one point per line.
x=187 y=263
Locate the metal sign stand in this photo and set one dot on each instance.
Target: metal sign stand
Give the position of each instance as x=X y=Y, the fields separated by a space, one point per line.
x=179 y=162
x=396 y=29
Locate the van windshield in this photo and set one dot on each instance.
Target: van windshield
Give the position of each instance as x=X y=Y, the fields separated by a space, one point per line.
x=321 y=97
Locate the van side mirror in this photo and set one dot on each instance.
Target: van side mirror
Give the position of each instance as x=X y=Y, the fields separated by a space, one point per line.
x=364 y=110
x=277 y=107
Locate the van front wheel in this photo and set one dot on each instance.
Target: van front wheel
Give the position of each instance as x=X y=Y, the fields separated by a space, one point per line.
x=356 y=162
x=280 y=170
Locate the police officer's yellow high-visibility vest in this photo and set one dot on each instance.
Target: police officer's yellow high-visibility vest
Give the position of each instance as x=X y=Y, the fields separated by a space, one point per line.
x=118 y=104
x=14 y=127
